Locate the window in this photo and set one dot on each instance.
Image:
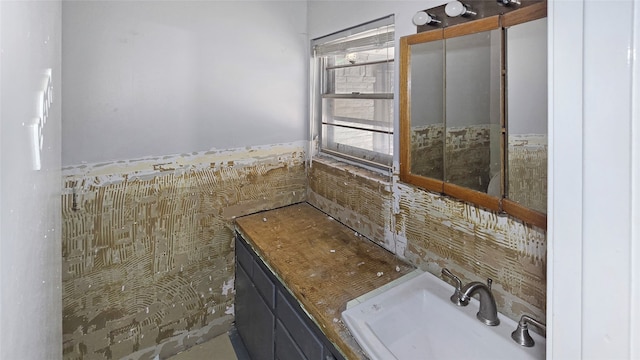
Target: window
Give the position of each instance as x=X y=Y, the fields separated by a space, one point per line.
x=353 y=92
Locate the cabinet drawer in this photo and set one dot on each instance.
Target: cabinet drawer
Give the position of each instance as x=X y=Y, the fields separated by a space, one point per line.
x=302 y=335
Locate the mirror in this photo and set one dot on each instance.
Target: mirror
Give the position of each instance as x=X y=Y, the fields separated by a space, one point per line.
x=526 y=54
x=481 y=136
x=472 y=154
x=427 y=109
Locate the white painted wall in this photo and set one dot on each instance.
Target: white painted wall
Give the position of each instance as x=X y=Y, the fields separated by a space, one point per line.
x=634 y=255
x=144 y=78
x=594 y=168
x=30 y=252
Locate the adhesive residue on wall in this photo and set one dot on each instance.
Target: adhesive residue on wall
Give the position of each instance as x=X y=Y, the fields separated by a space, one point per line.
x=358 y=198
x=433 y=231
x=148 y=250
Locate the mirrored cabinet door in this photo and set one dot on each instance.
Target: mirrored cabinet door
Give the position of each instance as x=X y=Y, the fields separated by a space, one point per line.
x=526 y=63
x=473 y=117
x=473 y=82
x=427 y=109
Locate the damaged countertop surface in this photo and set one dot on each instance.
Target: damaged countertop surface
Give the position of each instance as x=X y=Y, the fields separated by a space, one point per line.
x=322 y=262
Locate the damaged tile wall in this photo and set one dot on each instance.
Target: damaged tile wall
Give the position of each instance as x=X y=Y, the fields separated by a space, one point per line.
x=528 y=170
x=357 y=198
x=433 y=231
x=427 y=151
x=468 y=156
x=475 y=244
x=465 y=160
x=147 y=246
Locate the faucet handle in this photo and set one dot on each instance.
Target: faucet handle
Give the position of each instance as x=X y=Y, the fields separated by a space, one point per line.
x=448 y=273
x=521 y=334
x=456 y=298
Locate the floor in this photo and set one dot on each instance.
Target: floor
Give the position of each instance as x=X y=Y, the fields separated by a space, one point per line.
x=224 y=347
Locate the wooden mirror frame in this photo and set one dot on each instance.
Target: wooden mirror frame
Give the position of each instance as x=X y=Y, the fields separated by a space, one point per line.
x=532 y=11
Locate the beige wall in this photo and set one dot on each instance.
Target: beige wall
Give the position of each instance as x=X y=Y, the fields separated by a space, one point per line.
x=148 y=262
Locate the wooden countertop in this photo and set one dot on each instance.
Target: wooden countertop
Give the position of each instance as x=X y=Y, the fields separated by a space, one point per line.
x=322 y=262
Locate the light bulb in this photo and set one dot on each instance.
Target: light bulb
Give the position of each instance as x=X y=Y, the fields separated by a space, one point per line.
x=454 y=8
x=421 y=18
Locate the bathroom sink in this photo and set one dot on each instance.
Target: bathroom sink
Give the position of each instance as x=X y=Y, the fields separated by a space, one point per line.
x=414 y=319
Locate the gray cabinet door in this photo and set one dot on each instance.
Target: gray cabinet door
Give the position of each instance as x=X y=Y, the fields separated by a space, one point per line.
x=286 y=348
x=302 y=334
x=254 y=320
x=272 y=325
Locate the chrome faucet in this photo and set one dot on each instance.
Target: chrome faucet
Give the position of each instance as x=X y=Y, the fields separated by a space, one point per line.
x=488 y=312
x=521 y=334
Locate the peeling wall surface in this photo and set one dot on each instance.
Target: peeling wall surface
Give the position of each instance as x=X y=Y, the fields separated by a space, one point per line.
x=528 y=170
x=468 y=165
x=148 y=246
x=465 y=161
x=468 y=156
x=357 y=198
x=427 y=150
x=433 y=231
x=475 y=244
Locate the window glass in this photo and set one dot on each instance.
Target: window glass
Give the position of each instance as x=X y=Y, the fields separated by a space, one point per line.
x=353 y=92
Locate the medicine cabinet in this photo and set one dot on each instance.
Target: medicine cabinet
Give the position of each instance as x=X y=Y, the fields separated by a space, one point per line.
x=473 y=121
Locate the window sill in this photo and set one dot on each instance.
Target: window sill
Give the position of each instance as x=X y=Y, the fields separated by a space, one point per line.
x=377 y=175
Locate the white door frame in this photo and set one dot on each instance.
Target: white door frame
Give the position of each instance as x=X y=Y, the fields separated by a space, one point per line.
x=594 y=180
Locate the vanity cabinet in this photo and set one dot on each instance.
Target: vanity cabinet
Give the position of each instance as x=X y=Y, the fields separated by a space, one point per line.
x=269 y=319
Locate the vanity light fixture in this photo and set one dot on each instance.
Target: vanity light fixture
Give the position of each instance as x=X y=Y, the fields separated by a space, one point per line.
x=456 y=8
x=423 y=18
x=508 y=2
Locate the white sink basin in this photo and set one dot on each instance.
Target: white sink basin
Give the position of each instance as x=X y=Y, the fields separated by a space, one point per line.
x=416 y=320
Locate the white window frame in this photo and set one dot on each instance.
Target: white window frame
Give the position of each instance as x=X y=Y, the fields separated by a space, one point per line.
x=375 y=34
